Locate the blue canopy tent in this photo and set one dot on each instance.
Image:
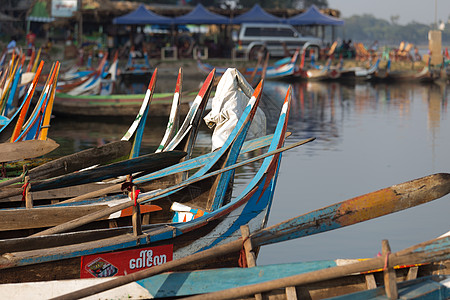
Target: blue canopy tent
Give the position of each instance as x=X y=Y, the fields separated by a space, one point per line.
x=257 y=15
x=200 y=15
x=314 y=17
x=142 y=16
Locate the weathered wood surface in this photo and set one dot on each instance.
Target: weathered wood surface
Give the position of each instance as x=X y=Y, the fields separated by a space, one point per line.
x=26 y=149
x=53 y=195
x=149 y=163
x=77 y=161
x=182 y=284
x=45 y=216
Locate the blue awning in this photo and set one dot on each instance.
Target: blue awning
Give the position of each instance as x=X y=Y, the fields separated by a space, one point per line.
x=257 y=15
x=314 y=17
x=200 y=15
x=142 y=16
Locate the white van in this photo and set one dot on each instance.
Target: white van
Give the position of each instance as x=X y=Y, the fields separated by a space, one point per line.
x=253 y=37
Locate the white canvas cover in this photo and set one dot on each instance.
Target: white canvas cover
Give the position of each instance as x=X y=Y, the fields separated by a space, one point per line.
x=232 y=95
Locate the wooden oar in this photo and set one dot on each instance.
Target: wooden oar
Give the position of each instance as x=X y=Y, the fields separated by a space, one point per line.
x=94 y=216
x=437 y=185
x=359 y=209
x=25 y=149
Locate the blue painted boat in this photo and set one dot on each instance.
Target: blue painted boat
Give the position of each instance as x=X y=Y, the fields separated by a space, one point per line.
x=282 y=69
x=162 y=242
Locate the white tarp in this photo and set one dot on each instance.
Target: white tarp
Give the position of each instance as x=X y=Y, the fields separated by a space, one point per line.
x=232 y=95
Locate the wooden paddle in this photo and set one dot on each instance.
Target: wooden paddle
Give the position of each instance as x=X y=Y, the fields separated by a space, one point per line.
x=26 y=149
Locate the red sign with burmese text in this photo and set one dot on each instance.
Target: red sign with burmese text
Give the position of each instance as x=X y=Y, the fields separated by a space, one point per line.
x=124 y=262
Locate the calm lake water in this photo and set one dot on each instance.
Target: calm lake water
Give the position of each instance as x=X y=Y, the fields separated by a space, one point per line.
x=368 y=137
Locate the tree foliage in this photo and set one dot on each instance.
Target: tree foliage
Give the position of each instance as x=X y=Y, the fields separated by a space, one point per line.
x=367 y=28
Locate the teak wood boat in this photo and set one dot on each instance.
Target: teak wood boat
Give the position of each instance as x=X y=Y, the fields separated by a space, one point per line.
x=163 y=242
x=332 y=277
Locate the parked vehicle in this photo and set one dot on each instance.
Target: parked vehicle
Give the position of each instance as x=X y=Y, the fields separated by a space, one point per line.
x=277 y=39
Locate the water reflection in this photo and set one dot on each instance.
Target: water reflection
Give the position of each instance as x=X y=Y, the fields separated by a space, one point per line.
x=368 y=137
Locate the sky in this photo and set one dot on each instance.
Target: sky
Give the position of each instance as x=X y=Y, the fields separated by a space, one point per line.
x=422 y=11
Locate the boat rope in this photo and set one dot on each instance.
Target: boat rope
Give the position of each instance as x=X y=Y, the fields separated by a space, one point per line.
x=242 y=262
x=24 y=191
x=386 y=259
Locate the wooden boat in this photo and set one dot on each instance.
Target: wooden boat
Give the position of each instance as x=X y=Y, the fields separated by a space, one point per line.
x=319 y=72
x=87 y=158
x=145 y=183
x=204 y=282
x=227 y=155
x=166 y=241
x=182 y=141
x=336 y=278
x=10 y=129
x=281 y=69
x=87 y=81
x=366 y=74
x=30 y=140
x=135 y=69
x=117 y=105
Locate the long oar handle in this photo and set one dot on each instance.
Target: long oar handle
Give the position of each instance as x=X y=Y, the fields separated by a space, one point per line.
x=101 y=214
x=359 y=209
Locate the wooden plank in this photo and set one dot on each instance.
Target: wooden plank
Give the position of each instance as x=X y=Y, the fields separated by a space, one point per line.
x=291 y=293
x=61 y=193
x=412 y=273
x=370 y=281
x=41 y=217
